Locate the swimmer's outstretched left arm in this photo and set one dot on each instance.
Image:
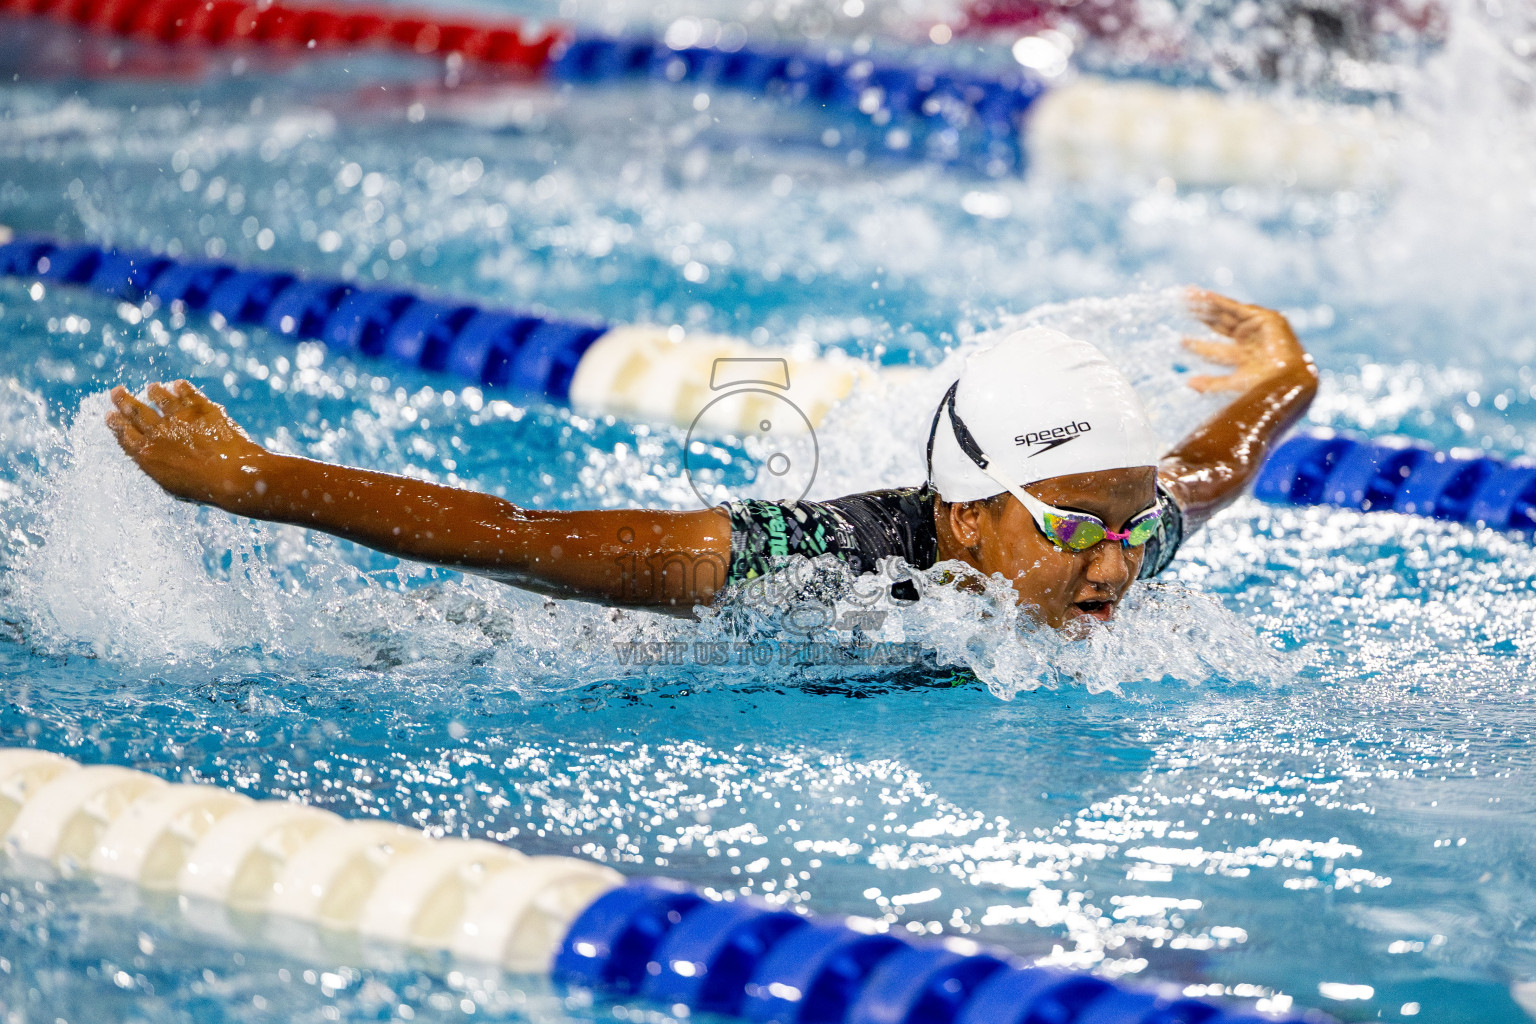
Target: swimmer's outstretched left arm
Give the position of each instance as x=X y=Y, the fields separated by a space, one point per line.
x=190 y=447
x=1274 y=381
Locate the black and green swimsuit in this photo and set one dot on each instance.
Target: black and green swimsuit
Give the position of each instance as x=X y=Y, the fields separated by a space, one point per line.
x=862 y=529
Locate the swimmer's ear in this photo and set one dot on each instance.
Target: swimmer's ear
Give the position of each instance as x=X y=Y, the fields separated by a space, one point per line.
x=965 y=520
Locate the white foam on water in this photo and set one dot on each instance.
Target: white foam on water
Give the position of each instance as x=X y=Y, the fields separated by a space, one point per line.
x=118 y=565
x=1457 y=234
x=1163 y=631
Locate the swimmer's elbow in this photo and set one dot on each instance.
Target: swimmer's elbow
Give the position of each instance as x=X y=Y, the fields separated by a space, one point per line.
x=1300 y=369
x=1302 y=389
x=1308 y=378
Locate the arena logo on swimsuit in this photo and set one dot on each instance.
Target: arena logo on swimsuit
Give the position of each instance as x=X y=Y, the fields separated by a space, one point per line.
x=1052 y=438
x=778 y=541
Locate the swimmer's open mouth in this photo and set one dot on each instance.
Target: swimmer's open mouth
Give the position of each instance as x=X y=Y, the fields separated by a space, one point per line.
x=1101 y=610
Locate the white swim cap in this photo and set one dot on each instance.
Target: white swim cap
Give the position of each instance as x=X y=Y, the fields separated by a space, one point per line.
x=1036 y=405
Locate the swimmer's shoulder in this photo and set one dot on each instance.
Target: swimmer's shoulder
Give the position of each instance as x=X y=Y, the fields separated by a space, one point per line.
x=858 y=529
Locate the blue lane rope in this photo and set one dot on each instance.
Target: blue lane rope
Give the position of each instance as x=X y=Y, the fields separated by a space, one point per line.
x=492 y=348
x=1399 y=476
x=657 y=939
x=538 y=355
x=945 y=114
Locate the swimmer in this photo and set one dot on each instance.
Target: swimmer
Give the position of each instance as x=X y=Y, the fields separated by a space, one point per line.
x=1042 y=466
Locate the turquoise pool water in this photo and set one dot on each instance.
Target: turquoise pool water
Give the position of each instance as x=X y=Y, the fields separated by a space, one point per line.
x=1299 y=771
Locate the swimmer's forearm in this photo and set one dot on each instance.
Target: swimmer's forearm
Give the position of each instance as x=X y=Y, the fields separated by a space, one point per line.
x=394 y=514
x=637 y=557
x=1212 y=466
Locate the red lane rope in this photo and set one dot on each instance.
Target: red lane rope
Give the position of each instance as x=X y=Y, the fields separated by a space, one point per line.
x=506 y=44
x=1103 y=19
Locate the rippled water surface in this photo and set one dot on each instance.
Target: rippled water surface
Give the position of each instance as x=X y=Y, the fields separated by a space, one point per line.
x=1298 y=770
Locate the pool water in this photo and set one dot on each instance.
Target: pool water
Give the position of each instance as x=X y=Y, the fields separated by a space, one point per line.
x=1299 y=770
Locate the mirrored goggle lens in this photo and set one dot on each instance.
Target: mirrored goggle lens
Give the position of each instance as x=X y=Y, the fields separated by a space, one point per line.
x=1143 y=528
x=1073 y=532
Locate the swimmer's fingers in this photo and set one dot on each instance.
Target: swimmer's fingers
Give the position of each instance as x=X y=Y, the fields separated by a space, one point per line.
x=1213 y=303
x=200 y=407
x=1240 y=321
x=164 y=400
x=180 y=399
x=128 y=436
x=193 y=396
x=1222 y=353
x=1218 y=312
x=142 y=416
x=1222 y=320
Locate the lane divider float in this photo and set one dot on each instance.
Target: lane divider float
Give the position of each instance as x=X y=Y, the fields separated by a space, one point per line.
x=663 y=374
x=372 y=879
x=282 y=861
x=994 y=120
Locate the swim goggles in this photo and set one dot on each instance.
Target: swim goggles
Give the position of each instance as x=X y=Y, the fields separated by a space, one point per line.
x=1075 y=531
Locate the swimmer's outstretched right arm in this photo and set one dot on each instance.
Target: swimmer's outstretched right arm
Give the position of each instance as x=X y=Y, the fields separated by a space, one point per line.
x=191 y=448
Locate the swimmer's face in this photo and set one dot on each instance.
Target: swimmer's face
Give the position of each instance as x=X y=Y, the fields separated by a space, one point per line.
x=1060 y=586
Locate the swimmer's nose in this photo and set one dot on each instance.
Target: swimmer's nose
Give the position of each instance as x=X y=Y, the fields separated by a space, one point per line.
x=1109 y=567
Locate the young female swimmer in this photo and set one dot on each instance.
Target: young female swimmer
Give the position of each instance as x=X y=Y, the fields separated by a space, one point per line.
x=1041 y=466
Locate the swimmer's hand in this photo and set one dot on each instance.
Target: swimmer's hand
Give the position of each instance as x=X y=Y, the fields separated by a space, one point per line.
x=186 y=443
x=1263 y=346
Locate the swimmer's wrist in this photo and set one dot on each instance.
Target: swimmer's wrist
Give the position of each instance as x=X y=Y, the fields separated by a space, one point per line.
x=1301 y=369
x=252 y=483
x=1290 y=368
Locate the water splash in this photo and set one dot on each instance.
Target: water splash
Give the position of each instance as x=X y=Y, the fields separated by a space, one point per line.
x=118 y=567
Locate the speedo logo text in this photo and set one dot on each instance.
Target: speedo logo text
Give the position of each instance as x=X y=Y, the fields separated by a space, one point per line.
x=1054 y=437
